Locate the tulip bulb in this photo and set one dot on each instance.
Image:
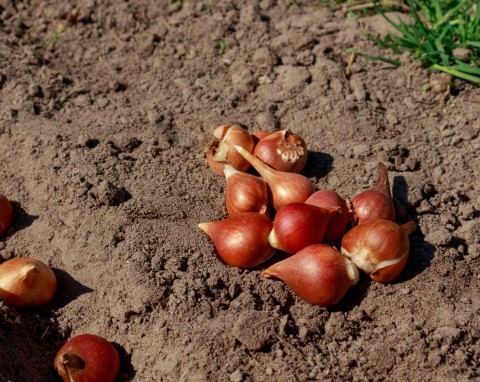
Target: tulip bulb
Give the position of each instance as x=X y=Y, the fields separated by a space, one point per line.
x=319 y=274
x=380 y=248
x=374 y=203
x=282 y=151
x=87 y=358
x=285 y=187
x=6 y=214
x=241 y=240
x=26 y=282
x=220 y=150
x=298 y=225
x=337 y=225
x=257 y=135
x=245 y=192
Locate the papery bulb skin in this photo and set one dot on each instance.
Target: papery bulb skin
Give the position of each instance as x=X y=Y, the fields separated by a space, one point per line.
x=319 y=274
x=285 y=187
x=245 y=192
x=380 y=248
x=298 y=225
x=6 y=214
x=374 y=203
x=26 y=282
x=282 y=151
x=87 y=358
x=221 y=151
x=241 y=240
x=338 y=223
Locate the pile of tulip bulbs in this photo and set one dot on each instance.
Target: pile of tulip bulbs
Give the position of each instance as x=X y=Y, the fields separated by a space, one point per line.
x=29 y=283
x=309 y=224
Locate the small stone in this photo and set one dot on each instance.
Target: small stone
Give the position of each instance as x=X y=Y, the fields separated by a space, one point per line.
x=236 y=376
x=361 y=149
x=34 y=90
x=243 y=81
x=461 y=53
x=391 y=119
x=127 y=144
x=447 y=334
x=441 y=237
x=255 y=329
x=265 y=58
x=473 y=251
x=266 y=121
x=7 y=255
x=264 y=80
x=358 y=88
x=470 y=232
x=293 y=78
x=107 y=194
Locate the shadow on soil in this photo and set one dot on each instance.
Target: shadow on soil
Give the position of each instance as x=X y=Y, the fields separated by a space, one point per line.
x=68 y=289
x=318 y=164
x=126 y=372
x=21 y=219
x=421 y=252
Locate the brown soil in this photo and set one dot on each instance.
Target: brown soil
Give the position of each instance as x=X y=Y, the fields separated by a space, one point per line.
x=101 y=138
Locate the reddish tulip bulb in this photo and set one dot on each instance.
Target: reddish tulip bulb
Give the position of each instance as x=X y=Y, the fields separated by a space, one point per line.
x=87 y=358
x=374 y=203
x=319 y=274
x=26 y=282
x=380 y=248
x=241 y=240
x=298 y=225
x=257 y=135
x=245 y=192
x=285 y=187
x=221 y=151
x=338 y=223
x=6 y=214
x=282 y=151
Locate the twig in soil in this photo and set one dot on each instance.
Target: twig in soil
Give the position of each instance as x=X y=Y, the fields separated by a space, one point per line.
x=44 y=333
x=351 y=60
x=71 y=20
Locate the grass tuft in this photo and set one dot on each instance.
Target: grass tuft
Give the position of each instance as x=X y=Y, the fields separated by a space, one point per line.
x=439 y=28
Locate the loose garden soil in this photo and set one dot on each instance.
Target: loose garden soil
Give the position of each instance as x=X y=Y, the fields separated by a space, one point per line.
x=101 y=145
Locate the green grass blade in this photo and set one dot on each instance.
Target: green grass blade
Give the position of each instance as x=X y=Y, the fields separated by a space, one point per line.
x=450 y=13
x=441 y=52
x=418 y=22
x=435 y=29
x=457 y=73
x=378 y=58
x=475 y=44
x=467 y=68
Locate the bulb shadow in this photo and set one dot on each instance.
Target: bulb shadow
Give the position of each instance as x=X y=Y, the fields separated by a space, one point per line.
x=354 y=296
x=21 y=219
x=68 y=289
x=126 y=372
x=318 y=164
x=421 y=252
